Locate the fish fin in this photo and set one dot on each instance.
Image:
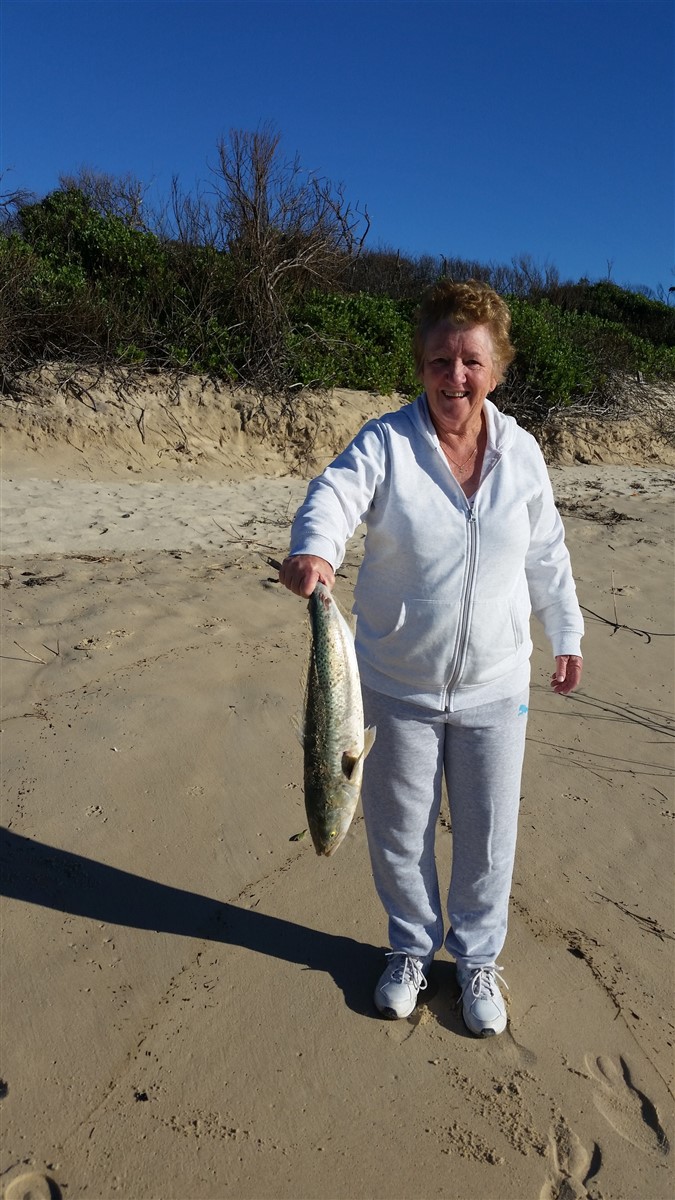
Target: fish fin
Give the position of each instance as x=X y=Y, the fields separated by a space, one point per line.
x=298 y=724
x=349 y=761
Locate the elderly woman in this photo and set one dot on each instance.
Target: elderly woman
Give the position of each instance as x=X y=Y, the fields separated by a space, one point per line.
x=463 y=543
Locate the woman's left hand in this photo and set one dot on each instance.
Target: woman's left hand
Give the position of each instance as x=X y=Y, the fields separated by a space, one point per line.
x=567 y=674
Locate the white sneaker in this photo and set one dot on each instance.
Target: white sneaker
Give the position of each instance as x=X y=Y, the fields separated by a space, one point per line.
x=399 y=985
x=482 y=1003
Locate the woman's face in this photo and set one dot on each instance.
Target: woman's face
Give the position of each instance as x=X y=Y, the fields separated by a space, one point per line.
x=458 y=372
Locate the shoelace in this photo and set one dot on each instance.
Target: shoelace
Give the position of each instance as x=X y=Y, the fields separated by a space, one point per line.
x=410 y=966
x=483 y=979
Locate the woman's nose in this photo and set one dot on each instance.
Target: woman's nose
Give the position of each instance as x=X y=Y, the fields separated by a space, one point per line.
x=455 y=371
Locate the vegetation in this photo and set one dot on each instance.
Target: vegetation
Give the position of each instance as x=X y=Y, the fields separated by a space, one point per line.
x=265 y=280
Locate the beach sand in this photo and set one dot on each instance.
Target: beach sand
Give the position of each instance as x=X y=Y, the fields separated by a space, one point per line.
x=186 y=988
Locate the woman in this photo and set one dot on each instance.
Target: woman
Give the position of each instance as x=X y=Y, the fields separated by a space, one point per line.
x=463 y=542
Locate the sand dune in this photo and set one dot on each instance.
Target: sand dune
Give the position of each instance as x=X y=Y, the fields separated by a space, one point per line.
x=186 y=990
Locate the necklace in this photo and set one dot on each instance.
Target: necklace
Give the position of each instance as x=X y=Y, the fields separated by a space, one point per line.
x=461 y=466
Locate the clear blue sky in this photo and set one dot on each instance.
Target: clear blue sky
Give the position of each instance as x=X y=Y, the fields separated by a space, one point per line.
x=477 y=129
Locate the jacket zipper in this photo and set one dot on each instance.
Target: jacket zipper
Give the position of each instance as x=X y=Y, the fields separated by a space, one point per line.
x=466 y=607
x=468 y=590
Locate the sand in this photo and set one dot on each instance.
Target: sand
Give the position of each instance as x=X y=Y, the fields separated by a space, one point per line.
x=186 y=988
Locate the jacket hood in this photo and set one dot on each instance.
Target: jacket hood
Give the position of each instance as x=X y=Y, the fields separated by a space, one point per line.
x=501 y=428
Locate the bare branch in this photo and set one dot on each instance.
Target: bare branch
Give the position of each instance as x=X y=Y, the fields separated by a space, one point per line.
x=111 y=195
x=285 y=230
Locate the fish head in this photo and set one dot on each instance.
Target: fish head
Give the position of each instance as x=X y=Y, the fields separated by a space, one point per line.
x=329 y=824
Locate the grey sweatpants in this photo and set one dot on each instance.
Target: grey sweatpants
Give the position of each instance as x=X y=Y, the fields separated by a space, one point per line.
x=481 y=752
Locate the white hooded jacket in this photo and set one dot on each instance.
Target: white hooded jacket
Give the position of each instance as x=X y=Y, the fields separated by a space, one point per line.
x=446 y=587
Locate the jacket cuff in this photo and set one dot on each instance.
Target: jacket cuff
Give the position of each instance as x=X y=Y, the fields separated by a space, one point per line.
x=567 y=642
x=322 y=547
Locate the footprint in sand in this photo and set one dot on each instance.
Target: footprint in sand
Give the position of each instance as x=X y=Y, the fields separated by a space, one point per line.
x=630 y=1113
x=31 y=1186
x=571 y=1165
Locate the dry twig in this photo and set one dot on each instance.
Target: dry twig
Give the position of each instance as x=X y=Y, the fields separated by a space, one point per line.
x=33 y=656
x=616 y=625
x=647 y=924
x=616 y=619
x=140 y=422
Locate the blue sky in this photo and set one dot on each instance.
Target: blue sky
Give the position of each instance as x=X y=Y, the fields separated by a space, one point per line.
x=483 y=130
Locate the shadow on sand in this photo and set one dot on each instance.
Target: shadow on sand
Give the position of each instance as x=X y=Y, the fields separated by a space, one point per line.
x=67 y=882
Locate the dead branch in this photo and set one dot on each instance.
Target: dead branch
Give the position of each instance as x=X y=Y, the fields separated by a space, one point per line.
x=33 y=656
x=617 y=625
x=140 y=422
x=647 y=924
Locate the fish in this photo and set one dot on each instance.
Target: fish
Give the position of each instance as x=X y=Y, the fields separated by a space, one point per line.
x=334 y=738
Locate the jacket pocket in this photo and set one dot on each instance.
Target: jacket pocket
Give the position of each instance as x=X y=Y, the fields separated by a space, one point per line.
x=519 y=623
x=418 y=645
x=498 y=633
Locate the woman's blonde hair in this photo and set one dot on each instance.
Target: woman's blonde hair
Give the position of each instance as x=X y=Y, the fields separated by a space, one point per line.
x=469 y=303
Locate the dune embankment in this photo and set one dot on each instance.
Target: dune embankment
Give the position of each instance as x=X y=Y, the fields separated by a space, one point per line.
x=135 y=424
x=186 y=987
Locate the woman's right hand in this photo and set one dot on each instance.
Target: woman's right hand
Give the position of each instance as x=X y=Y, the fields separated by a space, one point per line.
x=300 y=573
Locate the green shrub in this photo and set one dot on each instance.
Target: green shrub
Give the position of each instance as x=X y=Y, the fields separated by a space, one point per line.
x=80 y=283
x=566 y=357
x=356 y=341
x=547 y=357
x=648 y=319
x=67 y=233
